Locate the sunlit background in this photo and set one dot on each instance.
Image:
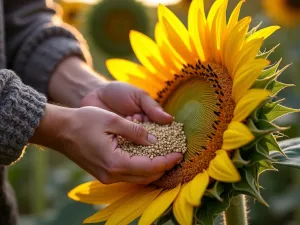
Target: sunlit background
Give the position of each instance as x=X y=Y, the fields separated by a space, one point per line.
x=43 y=178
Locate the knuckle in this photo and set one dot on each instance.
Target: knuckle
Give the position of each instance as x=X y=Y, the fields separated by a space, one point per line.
x=112 y=119
x=105 y=179
x=138 y=130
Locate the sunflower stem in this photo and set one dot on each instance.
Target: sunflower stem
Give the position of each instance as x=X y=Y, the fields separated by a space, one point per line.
x=236 y=214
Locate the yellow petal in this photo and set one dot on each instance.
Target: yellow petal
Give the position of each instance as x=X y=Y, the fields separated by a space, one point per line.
x=236 y=135
x=169 y=55
x=222 y=169
x=247 y=54
x=213 y=12
x=159 y=206
x=176 y=33
x=105 y=213
x=231 y=24
x=97 y=193
x=134 y=207
x=196 y=25
x=183 y=211
x=196 y=188
x=217 y=32
x=246 y=76
x=234 y=17
x=148 y=53
x=127 y=71
x=263 y=33
x=234 y=42
x=248 y=103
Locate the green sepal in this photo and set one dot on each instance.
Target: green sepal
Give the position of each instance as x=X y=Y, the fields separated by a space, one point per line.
x=272 y=144
x=262 y=127
x=211 y=208
x=276 y=86
x=274 y=111
x=253 y=30
x=270 y=71
x=238 y=160
x=267 y=76
x=278 y=135
x=255 y=115
x=292 y=158
x=216 y=191
x=248 y=184
x=266 y=54
x=263 y=166
x=258 y=153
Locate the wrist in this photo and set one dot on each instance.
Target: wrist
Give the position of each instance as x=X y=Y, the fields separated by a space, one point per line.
x=53 y=129
x=72 y=80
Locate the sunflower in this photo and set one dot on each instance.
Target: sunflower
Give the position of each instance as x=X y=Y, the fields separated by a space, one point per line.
x=213 y=78
x=73 y=11
x=285 y=12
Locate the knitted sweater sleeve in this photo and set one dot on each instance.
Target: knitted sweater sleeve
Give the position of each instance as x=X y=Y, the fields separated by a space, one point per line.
x=37 y=41
x=21 y=108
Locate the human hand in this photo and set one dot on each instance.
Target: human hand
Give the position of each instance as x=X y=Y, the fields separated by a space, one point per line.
x=126 y=100
x=88 y=137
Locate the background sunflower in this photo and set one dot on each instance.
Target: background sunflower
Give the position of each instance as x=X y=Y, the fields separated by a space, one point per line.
x=284 y=12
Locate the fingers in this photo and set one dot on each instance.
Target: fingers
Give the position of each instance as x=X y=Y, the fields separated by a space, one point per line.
x=130 y=130
x=122 y=163
x=139 y=117
x=153 y=110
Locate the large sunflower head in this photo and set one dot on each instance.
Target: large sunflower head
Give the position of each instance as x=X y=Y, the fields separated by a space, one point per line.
x=213 y=78
x=285 y=12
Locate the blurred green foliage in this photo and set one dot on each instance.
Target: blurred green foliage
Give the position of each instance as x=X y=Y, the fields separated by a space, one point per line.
x=43 y=178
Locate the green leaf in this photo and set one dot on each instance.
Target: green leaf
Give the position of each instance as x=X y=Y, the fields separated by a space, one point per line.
x=273 y=111
x=215 y=191
x=266 y=54
x=211 y=208
x=289 y=143
x=292 y=158
x=238 y=160
x=248 y=185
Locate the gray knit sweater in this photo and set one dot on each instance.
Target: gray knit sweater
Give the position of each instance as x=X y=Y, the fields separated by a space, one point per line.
x=32 y=43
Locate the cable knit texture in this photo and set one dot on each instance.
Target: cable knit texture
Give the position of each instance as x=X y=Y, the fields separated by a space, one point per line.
x=20 y=113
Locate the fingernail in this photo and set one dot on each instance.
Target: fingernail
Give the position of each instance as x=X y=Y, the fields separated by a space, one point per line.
x=152 y=139
x=163 y=111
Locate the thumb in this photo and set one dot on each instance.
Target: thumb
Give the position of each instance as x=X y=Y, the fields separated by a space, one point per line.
x=153 y=110
x=131 y=131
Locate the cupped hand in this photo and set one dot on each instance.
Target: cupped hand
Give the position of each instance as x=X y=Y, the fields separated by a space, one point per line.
x=126 y=100
x=91 y=142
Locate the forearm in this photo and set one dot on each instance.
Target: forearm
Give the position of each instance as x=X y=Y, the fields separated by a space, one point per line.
x=72 y=80
x=37 y=41
x=53 y=127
